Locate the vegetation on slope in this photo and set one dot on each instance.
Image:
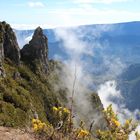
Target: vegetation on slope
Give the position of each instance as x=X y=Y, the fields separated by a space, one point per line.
x=66 y=130
x=24 y=95
x=27 y=92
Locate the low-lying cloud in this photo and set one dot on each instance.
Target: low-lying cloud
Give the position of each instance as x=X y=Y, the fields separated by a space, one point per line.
x=77 y=48
x=36 y=4
x=81 y=52
x=107 y=92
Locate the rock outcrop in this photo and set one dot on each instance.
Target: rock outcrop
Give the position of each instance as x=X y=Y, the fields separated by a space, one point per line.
x=8 y=44
x=36 y=52
x=1 y=43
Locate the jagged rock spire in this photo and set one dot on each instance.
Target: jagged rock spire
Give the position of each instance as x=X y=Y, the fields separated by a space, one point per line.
x=38 y=32
x=36 y=52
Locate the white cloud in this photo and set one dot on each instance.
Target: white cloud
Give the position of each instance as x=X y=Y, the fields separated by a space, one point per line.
x=89 y=15
x=73 y=44
x=98 y=1
x=27 y=39
x=36 y=4
x=82 y=15
x=30 y=26
x=108 y=90
x=132 y=135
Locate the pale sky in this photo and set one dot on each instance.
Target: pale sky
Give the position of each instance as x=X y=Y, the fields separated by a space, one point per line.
x=27 y=14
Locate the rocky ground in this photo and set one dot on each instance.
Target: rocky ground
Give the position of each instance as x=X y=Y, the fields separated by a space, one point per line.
x=15 y=134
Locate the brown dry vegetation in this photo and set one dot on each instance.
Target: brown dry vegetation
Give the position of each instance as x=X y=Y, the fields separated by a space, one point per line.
x=7 y=133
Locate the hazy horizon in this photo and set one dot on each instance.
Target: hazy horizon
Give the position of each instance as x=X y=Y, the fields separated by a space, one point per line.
x=28 y=14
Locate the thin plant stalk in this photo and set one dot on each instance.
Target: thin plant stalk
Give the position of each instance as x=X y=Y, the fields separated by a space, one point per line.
x=72 y=96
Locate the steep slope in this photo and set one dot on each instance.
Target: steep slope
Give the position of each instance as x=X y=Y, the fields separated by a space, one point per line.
x=29 y=89
x=22 y=92
x=23 y=96
x=129 y=84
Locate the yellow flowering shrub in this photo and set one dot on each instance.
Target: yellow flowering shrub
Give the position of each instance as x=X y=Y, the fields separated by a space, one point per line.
x=55 y=109
x=41 y=127
x=115 y=122
x=116 y=130
x=61 y=118
x=61 y=129
x=38 y=125
x=83 y=133
x=137 y=136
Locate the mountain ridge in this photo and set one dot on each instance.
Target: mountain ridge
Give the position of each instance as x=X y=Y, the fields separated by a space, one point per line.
x=25 y=91
x=115 y=48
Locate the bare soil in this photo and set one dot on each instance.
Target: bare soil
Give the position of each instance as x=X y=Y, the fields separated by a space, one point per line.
x=7 y=133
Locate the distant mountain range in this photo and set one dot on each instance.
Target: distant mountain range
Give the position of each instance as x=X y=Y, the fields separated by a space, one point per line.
x=116 y=39
x=129 y=83
x=116 y=45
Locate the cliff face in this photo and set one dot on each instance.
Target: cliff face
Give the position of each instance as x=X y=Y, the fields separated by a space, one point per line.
x=36 y=52
x=8 y=44
x=1 y=43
